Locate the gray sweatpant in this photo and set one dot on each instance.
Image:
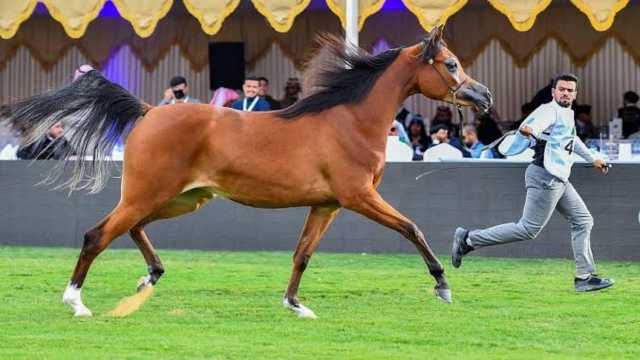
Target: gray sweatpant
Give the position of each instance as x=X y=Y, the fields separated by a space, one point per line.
x=544 y=194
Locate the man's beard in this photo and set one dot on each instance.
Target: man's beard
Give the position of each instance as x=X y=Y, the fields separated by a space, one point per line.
x=564 y=103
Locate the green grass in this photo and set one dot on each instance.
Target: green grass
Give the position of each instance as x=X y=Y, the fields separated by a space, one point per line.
x=227 y=305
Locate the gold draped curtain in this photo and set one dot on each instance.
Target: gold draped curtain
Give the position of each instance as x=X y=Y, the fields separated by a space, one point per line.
x=366 y=8
x=521 y=13
x=468 y=33
x=211 y=14
x=143 y=15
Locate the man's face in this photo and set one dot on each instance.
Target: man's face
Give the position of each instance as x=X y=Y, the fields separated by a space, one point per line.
x=56 y=130
x=264 y=88
x=470 y=137
x=251 y=88
x=442 y=135
x=180 y=91
x=565 y=92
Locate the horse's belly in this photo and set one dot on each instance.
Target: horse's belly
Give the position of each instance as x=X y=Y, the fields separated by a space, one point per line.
x=266 y=196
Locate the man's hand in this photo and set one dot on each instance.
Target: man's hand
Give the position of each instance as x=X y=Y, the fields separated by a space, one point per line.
x=168 y=94
x=601 y=165
x=525 y=130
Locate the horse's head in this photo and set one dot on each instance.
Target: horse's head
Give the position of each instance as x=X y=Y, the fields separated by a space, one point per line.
x=440 y=75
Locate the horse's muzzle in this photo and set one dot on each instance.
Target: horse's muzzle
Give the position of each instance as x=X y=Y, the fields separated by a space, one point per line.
x=476 y=95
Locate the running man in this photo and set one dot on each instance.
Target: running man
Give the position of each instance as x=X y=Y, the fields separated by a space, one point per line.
x=552 y=127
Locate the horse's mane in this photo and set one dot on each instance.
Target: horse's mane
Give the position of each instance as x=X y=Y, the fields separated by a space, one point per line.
x=340 y=74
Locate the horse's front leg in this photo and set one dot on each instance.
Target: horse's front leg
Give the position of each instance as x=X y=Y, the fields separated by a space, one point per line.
x=315 y=226
x=370 y=204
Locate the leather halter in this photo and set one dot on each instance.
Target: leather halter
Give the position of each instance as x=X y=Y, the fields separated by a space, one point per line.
x=452 y=89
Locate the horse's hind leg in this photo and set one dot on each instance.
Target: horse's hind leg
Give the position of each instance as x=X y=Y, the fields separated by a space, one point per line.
x=373 y=206
x=184 y=203
x=154 y=264
x=121 y=219
x=314 y=228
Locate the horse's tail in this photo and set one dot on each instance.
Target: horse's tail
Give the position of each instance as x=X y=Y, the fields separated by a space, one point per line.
x=97 y=114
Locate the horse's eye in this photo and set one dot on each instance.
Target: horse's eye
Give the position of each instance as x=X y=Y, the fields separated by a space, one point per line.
x=452 y=65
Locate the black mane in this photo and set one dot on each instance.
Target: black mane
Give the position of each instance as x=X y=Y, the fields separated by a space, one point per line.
x=345 y=76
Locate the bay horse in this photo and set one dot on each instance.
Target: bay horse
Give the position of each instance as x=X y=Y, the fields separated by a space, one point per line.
x=327 y=151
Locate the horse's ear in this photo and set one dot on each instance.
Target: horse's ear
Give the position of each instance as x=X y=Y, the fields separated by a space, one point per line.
x=418 y=49
x=437 y=33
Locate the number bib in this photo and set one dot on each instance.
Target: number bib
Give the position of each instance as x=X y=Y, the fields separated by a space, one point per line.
x=560 y=136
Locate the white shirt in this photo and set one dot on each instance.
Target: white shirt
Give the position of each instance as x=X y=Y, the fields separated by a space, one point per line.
x=556 y=125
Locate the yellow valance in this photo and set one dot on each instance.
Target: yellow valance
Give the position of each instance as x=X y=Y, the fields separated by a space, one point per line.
x=211 y=14
x=521 y=13
x=143 y=15
x=12 y=14
x=281 y=13
x=366 y=8
x=106 y=34
x=600 y=12
x=432 y=13
x=74 y=15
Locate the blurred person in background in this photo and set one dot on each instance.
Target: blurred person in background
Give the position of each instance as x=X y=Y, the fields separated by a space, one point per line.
x=178 y=92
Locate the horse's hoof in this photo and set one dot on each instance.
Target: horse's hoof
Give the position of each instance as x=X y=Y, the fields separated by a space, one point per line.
x=443 y=294
x=143 y=282
x=83 y=312
x=300 y=310
x=72 y=298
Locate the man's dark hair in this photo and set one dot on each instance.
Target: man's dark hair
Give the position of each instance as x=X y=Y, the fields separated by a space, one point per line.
x=177 y=80
x=251 y=78
x=435 y=129
x=565 y=77
x=262 y=78
x=631 y=97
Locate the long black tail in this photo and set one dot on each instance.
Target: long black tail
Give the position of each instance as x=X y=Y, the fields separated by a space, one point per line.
x=97 y=114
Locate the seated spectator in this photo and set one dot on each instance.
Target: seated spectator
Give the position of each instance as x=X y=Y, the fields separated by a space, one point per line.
x=418 y=138
x=442 y=151
x=251 y=101
x=630 y=114
x=263 y=92
x=488 y=130
x=52 y=146
x=584 y=125
x=439 y=134
x=444 y=116
x=472 y=145
x=178 y=92
x=292 y=92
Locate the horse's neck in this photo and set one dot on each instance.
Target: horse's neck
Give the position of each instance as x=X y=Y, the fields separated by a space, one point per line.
x=379 y=108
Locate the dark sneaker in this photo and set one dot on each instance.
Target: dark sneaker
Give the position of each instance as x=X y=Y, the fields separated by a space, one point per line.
x=460 y=247
x=592 y=283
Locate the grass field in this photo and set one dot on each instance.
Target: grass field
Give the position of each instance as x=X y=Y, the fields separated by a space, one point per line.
x=223 y=305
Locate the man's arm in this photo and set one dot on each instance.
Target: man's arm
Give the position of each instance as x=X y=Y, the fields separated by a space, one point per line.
x=538 y=121
x=583 y=151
